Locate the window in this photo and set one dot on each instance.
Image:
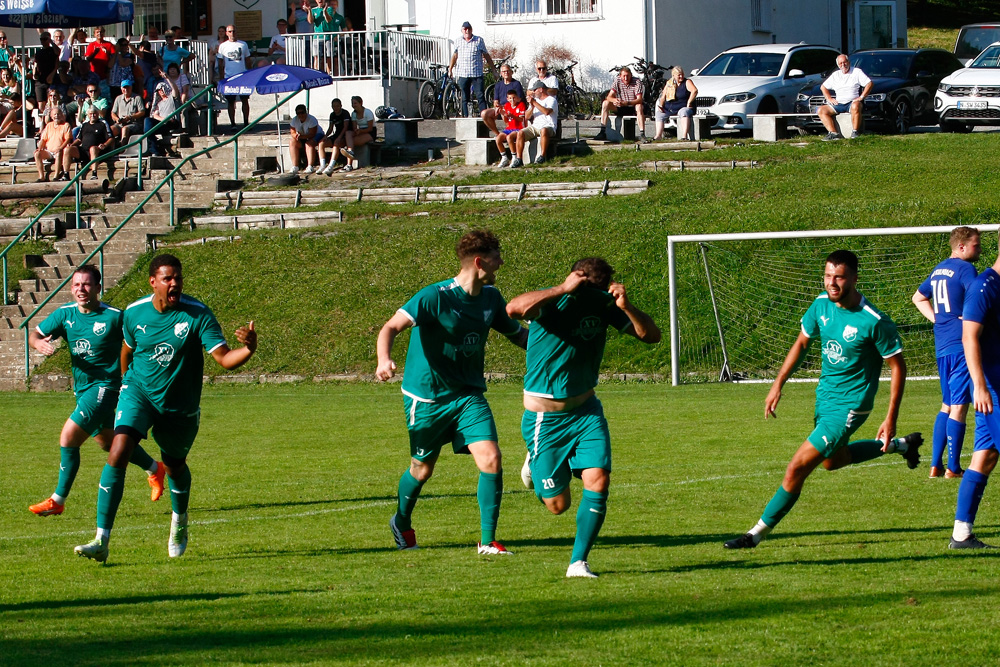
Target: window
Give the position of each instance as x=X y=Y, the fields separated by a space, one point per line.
x=516 y=11
x=812 y=61
x=150 y=12
x=760 y=15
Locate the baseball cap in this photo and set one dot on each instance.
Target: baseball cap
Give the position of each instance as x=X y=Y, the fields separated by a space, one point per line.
x=467 y=25
x=538 y=85
x=126 y=82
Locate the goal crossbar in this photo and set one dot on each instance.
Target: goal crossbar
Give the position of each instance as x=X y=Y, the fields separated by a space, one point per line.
x=672 y=241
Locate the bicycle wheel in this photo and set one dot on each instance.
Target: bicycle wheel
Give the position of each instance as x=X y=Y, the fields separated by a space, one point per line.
x=490 y=95
x=452 y=101
x=427 y=100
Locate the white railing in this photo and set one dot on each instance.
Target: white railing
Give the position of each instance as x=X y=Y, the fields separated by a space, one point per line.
x=363 y=54
x=411 y=56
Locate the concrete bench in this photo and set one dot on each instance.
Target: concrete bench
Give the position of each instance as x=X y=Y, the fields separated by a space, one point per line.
x=471 y=128
x=399 y=131
x=480 y=151
x=773 y=127
x=622 y=129
x=367 y=154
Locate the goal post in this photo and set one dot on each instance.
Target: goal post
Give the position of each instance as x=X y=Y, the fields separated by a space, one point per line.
x=761 y=283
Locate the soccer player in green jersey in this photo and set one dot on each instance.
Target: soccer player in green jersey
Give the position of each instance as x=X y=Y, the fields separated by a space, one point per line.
x=855 y=339
x=563 y=423
x=93 y=331
x=162 y=356
x=443 y=381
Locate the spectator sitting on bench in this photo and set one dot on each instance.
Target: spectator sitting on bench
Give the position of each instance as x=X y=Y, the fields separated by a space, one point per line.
x=677 y=99
x=306 y=134
x=11 y=124
x=361 y=132
x=160 y=109
x=851 y=87
x=625 y=99
x=55 y=137
x=542 y=74
x=506 y=83
x=340 y=121
x=93 y=140
x=512 y=113
x=542 y=112
x=276 y=49
x=127 y=113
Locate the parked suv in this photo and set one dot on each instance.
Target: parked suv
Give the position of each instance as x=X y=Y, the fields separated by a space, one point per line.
x=971 y=96
x=758 y=78
x=973 y=38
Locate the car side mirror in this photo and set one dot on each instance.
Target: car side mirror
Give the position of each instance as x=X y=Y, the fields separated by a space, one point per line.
x=695 y=71
x=795 y=74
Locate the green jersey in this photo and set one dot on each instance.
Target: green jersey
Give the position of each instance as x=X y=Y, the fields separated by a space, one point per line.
x=167 y=362
x=448 y=343
x=855 y=341
x=95 y=343
x=566 y=343
x=321 y=24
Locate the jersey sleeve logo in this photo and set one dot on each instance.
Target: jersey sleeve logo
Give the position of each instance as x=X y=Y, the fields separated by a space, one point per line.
x=833 y=352
x=181 y=329
x=100 y=328
x=589 y=327
x=163 y=354
x=850 y=333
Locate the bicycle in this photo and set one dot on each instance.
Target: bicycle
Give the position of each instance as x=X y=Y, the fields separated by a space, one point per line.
x=439 y=96
x=654 y=78
x=572 y=98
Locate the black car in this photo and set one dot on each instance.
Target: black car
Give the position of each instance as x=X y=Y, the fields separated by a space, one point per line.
x=904 y=82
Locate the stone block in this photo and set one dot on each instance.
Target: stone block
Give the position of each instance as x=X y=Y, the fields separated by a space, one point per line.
x=622 y=129
x=481 y=151
x=398 y=131
x=362 y=156
x=702 y=128
x=471 y=128
x=845 y=126
x=770 y=128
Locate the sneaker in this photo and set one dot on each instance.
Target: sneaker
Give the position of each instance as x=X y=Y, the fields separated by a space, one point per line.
x=643 y=139
x=330 y=168
x=156 y=482
x=47 y=507
x=504 y=162
x=912 y=453
x=541 y=159
x=602 y=135
x=348 y=167
x=178 y=542
x=580 y=568
x=854 y=134
x=494 y=548
x=744 y=541
x=309 y=170
x=832 y=136
x=515 y=163
x=294 y=171
x=96 y=550
x=936 y=472
x=948 y=474
x=971 y=542
x=348 y=152
x=526 y=473
x=406 y=540
x=93 y=175
x=321 y=168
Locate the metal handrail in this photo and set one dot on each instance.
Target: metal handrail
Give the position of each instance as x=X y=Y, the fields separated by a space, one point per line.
x=100 y=248
x=75 y=182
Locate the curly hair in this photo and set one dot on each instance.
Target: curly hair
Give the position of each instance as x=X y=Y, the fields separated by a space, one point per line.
x=477 y=242
x=597 y=270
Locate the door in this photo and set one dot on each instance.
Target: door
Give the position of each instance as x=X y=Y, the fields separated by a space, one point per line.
x=873 y=25
x=196 y=17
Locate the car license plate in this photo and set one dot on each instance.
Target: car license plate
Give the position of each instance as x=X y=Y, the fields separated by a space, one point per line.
x=701 y=111
x=972 y=105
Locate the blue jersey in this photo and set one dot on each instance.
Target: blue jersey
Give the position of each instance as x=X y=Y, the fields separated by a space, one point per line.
x=982 y=305
x=946 y=288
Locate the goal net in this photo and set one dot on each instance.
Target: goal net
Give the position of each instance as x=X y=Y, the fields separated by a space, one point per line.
x=736 y=300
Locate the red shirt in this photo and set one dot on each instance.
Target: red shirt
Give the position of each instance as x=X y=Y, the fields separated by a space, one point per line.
x=99 y=54
x=515 y=115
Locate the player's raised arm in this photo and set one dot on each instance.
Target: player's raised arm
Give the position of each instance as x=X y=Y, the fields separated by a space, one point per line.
x=232 y=359
x=643 y=326
x=383 y=346
x=527 y=305
x=792 y=361
x=924 y=305
x=41 y=343
x=897 y=370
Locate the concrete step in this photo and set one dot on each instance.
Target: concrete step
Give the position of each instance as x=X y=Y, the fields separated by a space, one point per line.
x=138 y=221
x=7 y=384
x=158 y=208
x=127 y=233
x=13 y=351
x=53 y=275
x=59 y=260
x=182 y=198
x=130 y=245
x=203 y=165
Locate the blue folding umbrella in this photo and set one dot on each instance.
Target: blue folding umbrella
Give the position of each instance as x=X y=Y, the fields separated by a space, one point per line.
x=274 y=79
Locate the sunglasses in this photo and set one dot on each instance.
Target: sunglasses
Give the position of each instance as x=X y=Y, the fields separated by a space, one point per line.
x=542 y=69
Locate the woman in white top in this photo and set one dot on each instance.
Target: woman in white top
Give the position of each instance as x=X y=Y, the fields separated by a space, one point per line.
x=362 y=130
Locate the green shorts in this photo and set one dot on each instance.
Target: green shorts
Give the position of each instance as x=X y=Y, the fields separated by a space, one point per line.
x=833 y=428
x=174 y=432
x=461 y=420
x=561 y=444
x=95 y=409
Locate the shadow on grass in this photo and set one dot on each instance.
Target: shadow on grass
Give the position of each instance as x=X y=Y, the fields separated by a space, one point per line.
x=117 y=601
x=329 y=501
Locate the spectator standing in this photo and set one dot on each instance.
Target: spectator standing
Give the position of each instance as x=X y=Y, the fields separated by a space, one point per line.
x=677 y=99
x=307 y=136
x=851 y=86
x=234 y=58
x=82 y=77
x=506 y=83
x=46 y=59
x=467 y=67
x=99 y=53
x=60 y=80
x=340 y=121
x=213 y=51
x=127 y=113
x=542 y=74
x=152 y=33
x=624 y=99
x=171 y=53
x=122 y=66
x=298 y=18
x=61 y=45
x=145 y=58
x=6 y=51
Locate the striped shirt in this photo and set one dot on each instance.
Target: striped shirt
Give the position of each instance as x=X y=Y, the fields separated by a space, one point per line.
x=470 y=57
x=628 y=92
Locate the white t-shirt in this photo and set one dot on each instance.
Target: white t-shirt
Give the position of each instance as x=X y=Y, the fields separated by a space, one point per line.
x=366 y=119
x=235 y=55
x=550 y=82
x=278 y=39
x=540 y=120
x=847 y=87
x=303 y=127
x=66 y=52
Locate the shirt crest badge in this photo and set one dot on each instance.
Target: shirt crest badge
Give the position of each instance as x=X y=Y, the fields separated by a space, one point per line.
x=100 y=328
x=850 y=333
x=181 y=329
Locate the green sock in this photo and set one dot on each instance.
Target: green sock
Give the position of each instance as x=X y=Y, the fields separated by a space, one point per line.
x=142 y=459
x=409 y=491
x=180 y=489
x=489 y=493
x=589 y=519
x=69 y=464
x=865 y=450
x=781 y=502
x=109 y=495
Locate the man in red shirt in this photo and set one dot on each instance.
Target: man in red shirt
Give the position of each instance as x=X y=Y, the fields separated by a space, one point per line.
x=99 y=53
x=513 y=115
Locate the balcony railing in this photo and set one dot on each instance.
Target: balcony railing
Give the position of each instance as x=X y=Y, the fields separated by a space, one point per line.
x=361 y=54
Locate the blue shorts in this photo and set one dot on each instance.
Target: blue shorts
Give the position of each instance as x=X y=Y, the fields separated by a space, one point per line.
x=510 y=131
x=956 y=385
x=988 y=426
x=841 y=108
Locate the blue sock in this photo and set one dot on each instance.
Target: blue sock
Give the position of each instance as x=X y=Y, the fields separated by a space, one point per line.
x=956 y=436
x=970 y=492
x=940 y=439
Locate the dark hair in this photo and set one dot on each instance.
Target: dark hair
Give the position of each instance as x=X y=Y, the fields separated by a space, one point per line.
x=358 y=98
x=91 y=271
x=337 y=100
x=161 y=261
x=512 y=91
x=843 y=258
x=477 y=243
x=174 y=66
x=301 y=108
x=597 y=270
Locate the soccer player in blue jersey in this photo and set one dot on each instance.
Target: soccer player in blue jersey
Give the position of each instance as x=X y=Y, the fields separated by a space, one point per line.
x=161 y=392
x=93 y=331
x=443 y=382
x=940 y=299
x=981 y=340
x=855 y=338
x=563 y=424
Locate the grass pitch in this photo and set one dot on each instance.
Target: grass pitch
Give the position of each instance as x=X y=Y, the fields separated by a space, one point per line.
x=291 y=560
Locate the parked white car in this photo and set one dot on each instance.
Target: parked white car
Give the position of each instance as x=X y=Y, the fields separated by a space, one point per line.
x=971 y=96
x=758 y=78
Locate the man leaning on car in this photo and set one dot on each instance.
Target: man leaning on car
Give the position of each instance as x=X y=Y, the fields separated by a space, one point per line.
x=850 y=86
